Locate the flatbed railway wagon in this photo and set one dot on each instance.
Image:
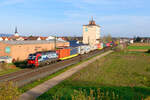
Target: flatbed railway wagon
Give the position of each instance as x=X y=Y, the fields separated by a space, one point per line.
x=42 y=58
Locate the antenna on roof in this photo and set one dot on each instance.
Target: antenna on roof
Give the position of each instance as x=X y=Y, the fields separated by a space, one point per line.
x=92 y=18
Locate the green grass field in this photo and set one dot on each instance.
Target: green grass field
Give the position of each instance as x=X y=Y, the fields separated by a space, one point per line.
x=119 y=76
x=138 y=47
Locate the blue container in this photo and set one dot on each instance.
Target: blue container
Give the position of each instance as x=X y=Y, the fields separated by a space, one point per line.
x=104 y=45
x=74 y=43
x=73 y=50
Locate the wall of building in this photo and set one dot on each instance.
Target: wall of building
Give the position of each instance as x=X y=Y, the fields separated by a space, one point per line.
x=2 y=49
x=90 y=34
x=21 y=52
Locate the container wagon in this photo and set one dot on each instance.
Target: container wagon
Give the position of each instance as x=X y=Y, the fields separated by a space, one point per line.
x=82 y=49
x=108 y=44
x=63 y=53
x=66 y=53
x=100 y=46
x=94 y=47
x=73 y=52
x=42 y=58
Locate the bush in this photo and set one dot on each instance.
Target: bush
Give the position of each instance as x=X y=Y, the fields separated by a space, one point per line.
x=148 y=51
x=118 y=48
x=8 y=91
x=3 y=66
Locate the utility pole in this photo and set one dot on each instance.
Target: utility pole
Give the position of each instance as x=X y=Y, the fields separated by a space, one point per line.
x=55 y=44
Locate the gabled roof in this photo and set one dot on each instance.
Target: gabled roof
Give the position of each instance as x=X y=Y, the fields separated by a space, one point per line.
x=43 y=38
x=15 y=37
x=32 y=38
x=4 y=38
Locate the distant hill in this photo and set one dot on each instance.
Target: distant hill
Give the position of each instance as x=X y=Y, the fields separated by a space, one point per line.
x=5 y=35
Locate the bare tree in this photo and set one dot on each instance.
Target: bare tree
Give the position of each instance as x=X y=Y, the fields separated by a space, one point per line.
x=107 y=38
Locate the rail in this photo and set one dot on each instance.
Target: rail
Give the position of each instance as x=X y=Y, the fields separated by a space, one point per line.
x=26 y=76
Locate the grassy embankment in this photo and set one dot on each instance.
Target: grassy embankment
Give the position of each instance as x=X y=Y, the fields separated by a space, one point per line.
x=39 y=81
x=118 y=76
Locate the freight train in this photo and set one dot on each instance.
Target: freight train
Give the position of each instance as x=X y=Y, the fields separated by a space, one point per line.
x=43 y=58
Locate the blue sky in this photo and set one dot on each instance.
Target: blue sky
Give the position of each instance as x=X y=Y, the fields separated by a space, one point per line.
x=66 y=17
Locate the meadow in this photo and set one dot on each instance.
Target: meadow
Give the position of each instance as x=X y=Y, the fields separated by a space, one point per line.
x=118 y=76
x=139 y=47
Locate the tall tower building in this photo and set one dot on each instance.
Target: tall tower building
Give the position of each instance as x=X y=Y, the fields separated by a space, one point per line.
x=91 y=33
x=16 y=32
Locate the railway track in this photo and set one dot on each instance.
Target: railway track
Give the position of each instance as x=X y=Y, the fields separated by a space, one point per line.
x=29 y=75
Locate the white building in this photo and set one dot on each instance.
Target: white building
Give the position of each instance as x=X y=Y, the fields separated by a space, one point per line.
x=5 y=38
x=1 y=39
x=91 y=33
x=50 y=38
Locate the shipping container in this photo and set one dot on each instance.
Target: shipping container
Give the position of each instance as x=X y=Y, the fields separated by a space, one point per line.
x=93 y=47
x=87 y=48
x=104 y=45
x=80 y=50
x=108 y=44
x=84 y=49
x=63 y=53
x=99 y=46
x=112 y=43
x=73 y=50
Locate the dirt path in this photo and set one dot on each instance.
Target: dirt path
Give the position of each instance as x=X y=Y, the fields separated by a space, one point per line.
x=42 y=88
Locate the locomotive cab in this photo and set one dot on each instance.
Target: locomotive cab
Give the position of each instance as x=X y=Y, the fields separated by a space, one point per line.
x=42 y=58
x=33 y=59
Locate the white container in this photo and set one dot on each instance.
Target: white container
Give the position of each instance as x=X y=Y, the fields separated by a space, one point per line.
x=84 y=49
x=102 y=45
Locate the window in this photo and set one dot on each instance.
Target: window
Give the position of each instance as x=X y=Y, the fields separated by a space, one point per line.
x=86 y=29
x=7 y=49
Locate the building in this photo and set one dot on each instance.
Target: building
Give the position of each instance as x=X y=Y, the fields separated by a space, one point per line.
x=18 y=38
x=1 y=39
x=36 y=38
x=16 y=32
x=91 y=33
x=5 y=38
x=19 y=50
x=50 y=38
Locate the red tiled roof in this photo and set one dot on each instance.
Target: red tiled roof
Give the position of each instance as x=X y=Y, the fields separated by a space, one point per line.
x=4 y=38
x=32 y=38
x=43 y=38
